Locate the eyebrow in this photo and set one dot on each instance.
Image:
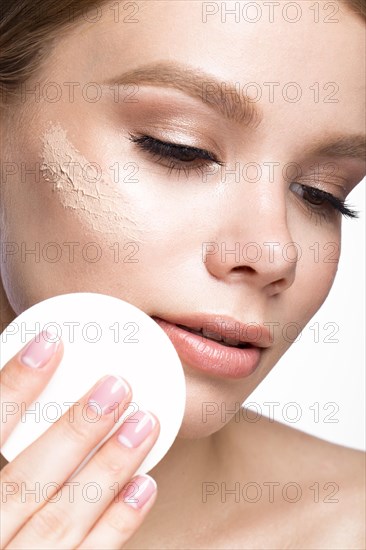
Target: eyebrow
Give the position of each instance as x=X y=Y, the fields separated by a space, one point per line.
x=222 y=96
x=352 y=146
x=225 y=98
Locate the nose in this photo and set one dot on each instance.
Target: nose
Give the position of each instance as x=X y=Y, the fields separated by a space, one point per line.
x=252 y=242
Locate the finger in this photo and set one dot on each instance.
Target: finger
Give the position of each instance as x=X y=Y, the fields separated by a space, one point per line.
x=24 y=377
x=111 y=468
x=124 y=516
x=65 y=522
x=37 y=473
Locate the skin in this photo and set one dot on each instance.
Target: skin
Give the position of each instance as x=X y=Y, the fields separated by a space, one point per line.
x=170 y=216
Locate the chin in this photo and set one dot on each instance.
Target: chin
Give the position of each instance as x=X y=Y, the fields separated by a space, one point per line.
x=207 y=399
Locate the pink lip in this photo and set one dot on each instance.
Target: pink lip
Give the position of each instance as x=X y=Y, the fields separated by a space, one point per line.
x=210 y=356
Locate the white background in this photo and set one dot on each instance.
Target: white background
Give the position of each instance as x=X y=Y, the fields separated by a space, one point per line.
x=333 y=373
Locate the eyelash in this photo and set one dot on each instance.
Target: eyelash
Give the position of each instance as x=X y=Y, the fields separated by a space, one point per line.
x=162 y=150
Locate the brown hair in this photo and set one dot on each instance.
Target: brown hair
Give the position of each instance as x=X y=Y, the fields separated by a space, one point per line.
x=28 y=27
x=359 y=6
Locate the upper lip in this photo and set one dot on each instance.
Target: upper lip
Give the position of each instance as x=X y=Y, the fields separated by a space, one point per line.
x=225 y=327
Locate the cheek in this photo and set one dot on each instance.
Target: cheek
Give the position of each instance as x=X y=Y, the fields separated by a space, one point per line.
x=319 y=248
x=57 y=252
x=316 y=276
x=59 y=238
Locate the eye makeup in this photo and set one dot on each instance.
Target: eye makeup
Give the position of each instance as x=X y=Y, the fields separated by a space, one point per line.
x=176 y=157
x=172 y=117
x=178 y=133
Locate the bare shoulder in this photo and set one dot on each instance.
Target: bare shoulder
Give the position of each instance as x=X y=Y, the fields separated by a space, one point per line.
x=303 y=450
x=325 y=480
x=339 y=485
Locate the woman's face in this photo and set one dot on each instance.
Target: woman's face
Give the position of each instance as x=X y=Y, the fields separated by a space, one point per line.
x=106 y=211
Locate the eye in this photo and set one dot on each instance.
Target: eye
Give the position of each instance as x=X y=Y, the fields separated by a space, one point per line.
x=312 y=196
x=175 y=156
x=322 y=202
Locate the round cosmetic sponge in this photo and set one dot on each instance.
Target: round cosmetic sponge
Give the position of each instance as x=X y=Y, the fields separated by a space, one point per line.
x=102 y=335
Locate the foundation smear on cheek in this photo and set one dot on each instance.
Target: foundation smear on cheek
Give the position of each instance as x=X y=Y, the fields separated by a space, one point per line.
x=81 y=187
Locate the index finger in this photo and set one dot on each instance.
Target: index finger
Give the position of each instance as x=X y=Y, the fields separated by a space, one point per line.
x=24 y=377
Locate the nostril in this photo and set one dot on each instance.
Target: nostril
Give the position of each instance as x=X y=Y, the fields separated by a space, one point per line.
x=243 y=269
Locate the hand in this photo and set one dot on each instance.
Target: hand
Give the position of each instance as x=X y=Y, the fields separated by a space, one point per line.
x=101 y=507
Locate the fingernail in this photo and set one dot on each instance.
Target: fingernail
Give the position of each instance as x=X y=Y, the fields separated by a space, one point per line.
x=109 y=393
x=136 y=428
x=39 y=350
x=139 y=490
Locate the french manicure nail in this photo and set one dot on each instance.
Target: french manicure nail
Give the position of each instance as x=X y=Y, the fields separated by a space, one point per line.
x=136 y=428
x=39 y=350
x=109 y=393
x=139 y=490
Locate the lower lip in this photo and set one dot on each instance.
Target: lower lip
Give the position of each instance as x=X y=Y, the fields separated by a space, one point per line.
x=210 y=356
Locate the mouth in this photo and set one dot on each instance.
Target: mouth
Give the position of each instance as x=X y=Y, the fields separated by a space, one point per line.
x=225 y=341
x=212 y=348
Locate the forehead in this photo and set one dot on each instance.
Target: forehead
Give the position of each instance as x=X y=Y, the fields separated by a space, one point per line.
x=295 y=49
x=294 y=37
